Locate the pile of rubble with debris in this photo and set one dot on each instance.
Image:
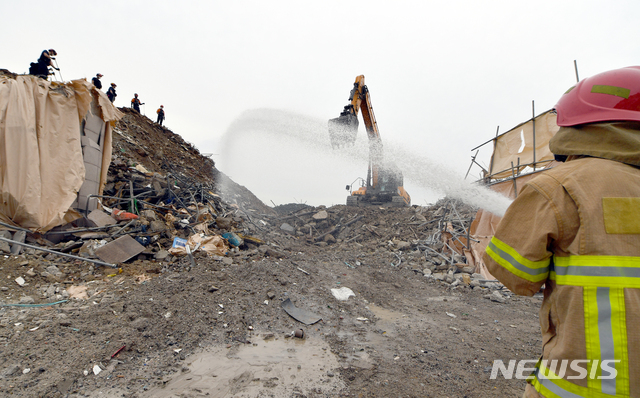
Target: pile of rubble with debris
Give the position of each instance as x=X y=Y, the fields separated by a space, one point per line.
x=167 y=208
x=179 y=257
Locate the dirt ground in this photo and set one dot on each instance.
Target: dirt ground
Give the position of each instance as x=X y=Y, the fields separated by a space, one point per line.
x=218 y=329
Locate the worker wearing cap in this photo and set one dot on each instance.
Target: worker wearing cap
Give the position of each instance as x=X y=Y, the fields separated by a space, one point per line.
x=46 y=57
x=135 y=103
x=160 y=113
x=96 y=81
x=576 y=230
x=111 y=92
x=41 y=67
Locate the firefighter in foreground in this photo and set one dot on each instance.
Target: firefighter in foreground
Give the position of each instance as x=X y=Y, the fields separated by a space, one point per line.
x=576 y=230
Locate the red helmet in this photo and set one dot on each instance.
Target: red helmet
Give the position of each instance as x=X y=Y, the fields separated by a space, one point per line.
x=608 y=96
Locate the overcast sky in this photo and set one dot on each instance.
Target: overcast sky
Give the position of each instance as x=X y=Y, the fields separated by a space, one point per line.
x=442 y=75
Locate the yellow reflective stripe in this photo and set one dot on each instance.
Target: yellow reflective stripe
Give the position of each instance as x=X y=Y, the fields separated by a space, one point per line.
x=510 y=259
x=587 y=281
x=619 y=334
x=547 y=383
x=591 y=331
x=606 y=339
x=597 y=271
x=621 y=215
x=599 y=261
x=545 y=391
x=611 y=90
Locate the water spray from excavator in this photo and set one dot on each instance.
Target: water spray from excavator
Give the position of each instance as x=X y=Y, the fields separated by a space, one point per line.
x=293 y=145
x=384 y=183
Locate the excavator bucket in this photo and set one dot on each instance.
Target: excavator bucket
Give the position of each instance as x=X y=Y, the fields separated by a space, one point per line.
x=343 y=130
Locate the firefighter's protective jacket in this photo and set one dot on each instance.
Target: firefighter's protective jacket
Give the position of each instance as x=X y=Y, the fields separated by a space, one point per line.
x=576 y=230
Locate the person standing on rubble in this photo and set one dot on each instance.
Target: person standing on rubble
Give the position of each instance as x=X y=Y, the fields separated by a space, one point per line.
x=576 y=230
x=160 y=113
x=111 y=92
x=135 y=103
x=96 y=81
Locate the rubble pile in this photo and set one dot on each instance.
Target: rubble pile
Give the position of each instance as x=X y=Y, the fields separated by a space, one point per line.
x=178 y=257
x=166 y=203
x=433 y=240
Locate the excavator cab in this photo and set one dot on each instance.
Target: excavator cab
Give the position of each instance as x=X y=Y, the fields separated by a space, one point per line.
x=344 y=129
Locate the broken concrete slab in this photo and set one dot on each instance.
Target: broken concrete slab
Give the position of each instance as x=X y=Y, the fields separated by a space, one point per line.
x=288 y=228
x=321 y=215
x=497 y=297
x=4 y=246
x=149 y=215
x=157 y=226
x=18 y=236
x=120 y=250
x=100 y=218
x=162 y=255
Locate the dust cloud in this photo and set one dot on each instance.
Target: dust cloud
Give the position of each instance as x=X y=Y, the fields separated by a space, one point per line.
x=285 y=157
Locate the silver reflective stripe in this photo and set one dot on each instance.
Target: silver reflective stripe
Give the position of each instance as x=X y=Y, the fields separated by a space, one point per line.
x=605 y=332
x=584 y=270
x=551 y=386
x=516 y=264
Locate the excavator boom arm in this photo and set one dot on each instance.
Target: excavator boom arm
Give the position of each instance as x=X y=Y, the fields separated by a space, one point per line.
x=343 y=131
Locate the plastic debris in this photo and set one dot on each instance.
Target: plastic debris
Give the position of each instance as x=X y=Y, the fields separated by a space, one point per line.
x=342 y=293
x=121 y=215
x=306 y=317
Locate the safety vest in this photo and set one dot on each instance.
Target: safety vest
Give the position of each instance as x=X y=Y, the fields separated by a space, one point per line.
x=576 y=229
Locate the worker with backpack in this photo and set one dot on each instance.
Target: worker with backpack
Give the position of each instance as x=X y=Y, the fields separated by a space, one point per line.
x=111 y=92
x=160 y=113
x=41 y=67
x=135 y=103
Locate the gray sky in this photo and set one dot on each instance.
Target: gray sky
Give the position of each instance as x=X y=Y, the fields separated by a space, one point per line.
x=442 y=75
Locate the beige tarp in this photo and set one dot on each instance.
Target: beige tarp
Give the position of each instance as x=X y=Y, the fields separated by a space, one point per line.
x=485 y=223
x=516 y=145
x=41 y=161
x=508 y=146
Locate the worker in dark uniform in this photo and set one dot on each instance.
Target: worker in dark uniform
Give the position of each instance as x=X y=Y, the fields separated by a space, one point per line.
x=96 y=81
x=160 y=113
x=111 y=92
x=135 y=103
x=41 y=67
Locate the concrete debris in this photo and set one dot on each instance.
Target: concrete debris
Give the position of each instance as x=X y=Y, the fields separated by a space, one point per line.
x=18 y=236
x=155 y=301
x=4 y=246
x=497 y=297
x=101 y=218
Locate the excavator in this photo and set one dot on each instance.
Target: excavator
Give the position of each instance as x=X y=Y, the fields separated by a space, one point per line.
x=384 y=183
